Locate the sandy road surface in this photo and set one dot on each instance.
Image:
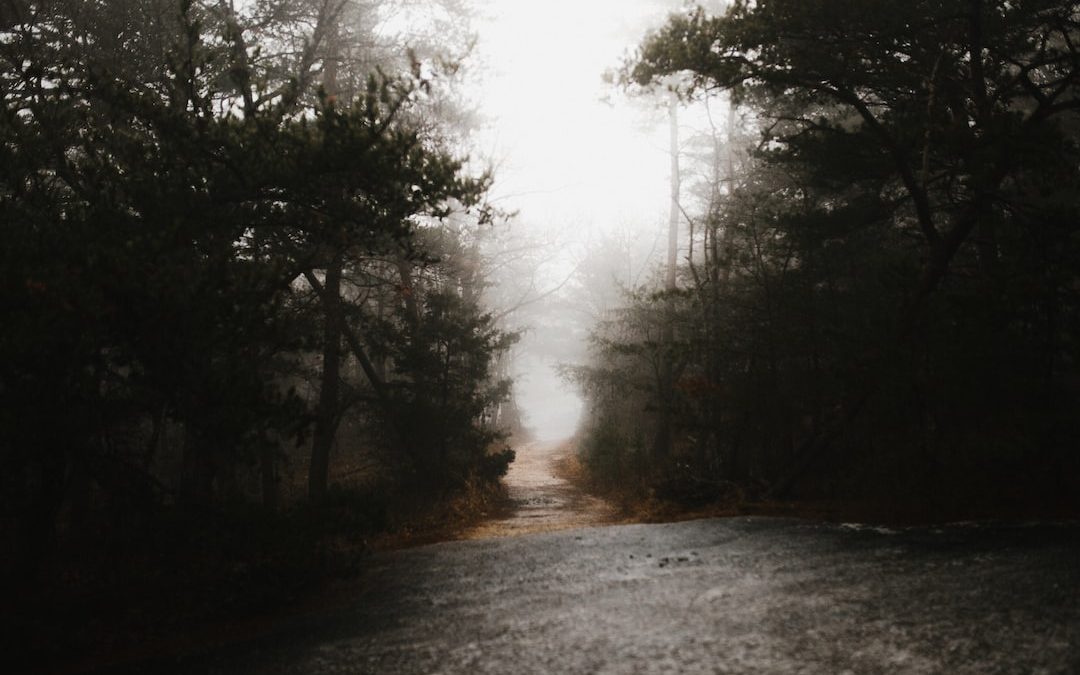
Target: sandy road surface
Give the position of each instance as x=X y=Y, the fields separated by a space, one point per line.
x=742 y=595
x=541 y=500
x=739 y=595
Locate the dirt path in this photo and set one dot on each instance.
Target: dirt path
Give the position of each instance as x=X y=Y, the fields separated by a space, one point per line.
x=541 y=500
x=751 y=595
x=736 y=595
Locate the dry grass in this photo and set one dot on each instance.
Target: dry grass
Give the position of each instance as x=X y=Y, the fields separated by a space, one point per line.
x=445 y=519
x=569 y=466
x=637 y=503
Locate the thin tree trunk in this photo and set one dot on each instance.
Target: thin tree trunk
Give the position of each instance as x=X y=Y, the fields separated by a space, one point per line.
x=408 y=291
x=662 y=443
x=676 y=186
x=357 y=348
x=326 y=413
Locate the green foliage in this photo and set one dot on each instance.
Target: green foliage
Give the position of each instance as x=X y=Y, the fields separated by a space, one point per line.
x=882 y=298
x=162 y=194
x=494 y=465
x=443 y=362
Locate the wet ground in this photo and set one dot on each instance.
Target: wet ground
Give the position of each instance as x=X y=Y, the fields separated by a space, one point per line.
x=739 y=595
x=541 y=500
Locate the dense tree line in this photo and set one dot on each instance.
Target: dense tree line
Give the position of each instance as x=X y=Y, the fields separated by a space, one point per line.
x=233 y=238
x=880 y=295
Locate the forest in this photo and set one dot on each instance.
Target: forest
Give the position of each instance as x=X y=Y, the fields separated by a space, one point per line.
x=259 y=309
x=241 y=242
x=876 y=293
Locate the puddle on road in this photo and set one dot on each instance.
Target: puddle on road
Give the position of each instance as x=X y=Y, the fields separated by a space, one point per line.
x=541 y=500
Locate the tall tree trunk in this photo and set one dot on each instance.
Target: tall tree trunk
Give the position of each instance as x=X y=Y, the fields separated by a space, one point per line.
x=734 y=458
x=326 y=413
x=410 y=447
x=408 y=291
x=676 y=187
x=662 y=443
x=379 y=363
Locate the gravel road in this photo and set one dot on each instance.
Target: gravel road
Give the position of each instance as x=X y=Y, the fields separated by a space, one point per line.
x=742 y=595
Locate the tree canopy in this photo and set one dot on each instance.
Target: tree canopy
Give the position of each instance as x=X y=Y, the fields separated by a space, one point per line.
x=203 y=212
x=894 y=248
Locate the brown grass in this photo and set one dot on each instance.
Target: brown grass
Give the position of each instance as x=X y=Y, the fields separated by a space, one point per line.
x=637 y=503
x=446 y=519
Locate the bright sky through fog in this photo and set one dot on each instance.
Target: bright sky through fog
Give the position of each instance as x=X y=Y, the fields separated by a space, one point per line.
x=568 y=162
x=565 y=158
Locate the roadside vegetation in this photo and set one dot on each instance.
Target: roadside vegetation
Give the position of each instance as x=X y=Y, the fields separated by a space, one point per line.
x=243 y=335
x=871 y=294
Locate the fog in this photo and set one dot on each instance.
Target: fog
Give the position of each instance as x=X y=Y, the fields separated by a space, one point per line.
x=572 y=160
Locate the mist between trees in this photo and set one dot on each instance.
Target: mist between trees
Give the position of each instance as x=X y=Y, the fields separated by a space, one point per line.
x=875 y=295
x=241 y=264
x=250 y=315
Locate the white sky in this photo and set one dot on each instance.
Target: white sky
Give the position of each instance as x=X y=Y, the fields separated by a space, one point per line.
x=568 y=162
x=564 y=157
